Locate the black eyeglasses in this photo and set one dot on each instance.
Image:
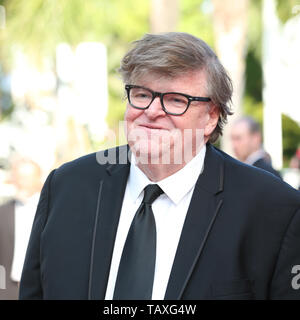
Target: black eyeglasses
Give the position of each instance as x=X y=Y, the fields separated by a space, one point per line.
x=173 y=103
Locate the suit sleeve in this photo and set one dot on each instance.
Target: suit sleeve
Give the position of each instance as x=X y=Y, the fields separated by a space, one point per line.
x=30 y=285
x=286 y=279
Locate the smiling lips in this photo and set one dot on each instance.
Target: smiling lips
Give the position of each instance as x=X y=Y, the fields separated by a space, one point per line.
x=151 y=127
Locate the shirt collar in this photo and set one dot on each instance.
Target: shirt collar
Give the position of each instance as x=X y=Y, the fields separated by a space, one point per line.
x=256 y=155
x=185 y=177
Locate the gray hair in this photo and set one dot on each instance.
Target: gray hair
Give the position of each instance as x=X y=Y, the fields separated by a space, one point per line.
x=175 y=53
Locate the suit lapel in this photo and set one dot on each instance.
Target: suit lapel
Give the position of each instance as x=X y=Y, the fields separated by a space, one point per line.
x=204 y=207
x=110 y=197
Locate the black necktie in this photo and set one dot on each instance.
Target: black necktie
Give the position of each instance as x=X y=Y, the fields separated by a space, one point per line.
x=136 y=269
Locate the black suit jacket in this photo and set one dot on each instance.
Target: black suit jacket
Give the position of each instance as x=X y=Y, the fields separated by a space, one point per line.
x=263 y=164
x=240 y=239
x=7 y=241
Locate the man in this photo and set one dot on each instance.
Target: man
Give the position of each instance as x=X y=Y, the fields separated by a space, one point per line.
x=16 y=218
x=181 y=220
x=247 y=144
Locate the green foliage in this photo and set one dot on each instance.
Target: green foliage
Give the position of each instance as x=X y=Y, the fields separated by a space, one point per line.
x=253 y=108
x=253 y=76
x=286 y=9
x=290 y=128
x=196 y=18
x=45 y=23
x=290 y=137
x=255 y=28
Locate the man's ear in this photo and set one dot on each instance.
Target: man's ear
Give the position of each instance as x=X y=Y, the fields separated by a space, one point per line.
x=257 y=139
x=214 y=115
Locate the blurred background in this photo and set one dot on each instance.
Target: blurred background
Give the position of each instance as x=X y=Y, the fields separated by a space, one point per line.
x=61 y=97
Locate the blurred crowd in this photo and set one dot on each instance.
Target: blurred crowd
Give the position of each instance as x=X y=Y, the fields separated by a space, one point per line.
x=24 y=182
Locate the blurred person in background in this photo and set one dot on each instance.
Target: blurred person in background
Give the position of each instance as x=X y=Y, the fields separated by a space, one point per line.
x=295 y=161
x=16 y=217
x=246 y=139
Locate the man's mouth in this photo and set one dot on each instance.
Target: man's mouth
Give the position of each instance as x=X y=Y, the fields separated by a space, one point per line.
x=151 y=126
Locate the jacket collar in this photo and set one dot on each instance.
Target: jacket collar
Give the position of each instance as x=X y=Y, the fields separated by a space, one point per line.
x=212 y=177
x=205 y=205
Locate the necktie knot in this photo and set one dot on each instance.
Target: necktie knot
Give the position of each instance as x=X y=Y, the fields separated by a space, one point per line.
x=151 y=193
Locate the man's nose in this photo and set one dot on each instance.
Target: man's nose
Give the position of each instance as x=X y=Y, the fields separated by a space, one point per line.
x=155 y=109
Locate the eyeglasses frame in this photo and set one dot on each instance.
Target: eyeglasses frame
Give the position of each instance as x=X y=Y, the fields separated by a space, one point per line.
x=155 y=94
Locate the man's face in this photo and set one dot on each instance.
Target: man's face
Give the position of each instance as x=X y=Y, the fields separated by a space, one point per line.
x=151 y=133
x=243 y=142
x=26 y=177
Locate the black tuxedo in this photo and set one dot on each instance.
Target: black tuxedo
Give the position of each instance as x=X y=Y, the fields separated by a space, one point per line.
x=240 y=239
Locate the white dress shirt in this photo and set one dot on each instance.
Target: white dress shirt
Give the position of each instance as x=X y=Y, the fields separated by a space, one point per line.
x=169 y=211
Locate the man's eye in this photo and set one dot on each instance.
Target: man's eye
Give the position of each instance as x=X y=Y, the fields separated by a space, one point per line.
x=175 y=100
x=141 y=95
x=178 y=100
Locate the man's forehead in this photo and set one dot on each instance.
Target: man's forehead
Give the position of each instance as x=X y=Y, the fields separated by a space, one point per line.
x=241 y=127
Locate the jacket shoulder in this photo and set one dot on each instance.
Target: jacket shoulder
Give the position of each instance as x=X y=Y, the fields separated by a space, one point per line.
x=88 y=169
x=246 y=178
x=98 y=161
x=261 y=163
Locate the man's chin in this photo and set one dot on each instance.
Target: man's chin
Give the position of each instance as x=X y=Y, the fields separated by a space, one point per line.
x=146 y=154
x=150 y=153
